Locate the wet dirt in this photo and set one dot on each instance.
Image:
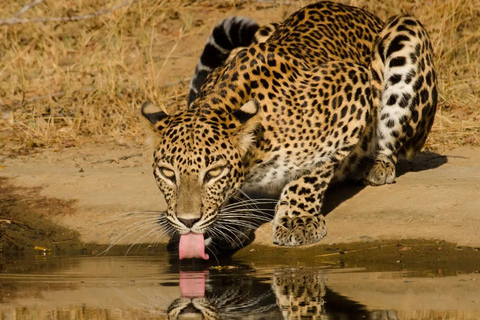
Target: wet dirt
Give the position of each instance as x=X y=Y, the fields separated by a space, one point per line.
x=25 y=221
x=387 y=255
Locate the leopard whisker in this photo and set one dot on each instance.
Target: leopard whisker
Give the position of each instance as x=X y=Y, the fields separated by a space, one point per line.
x=248 y=198
x=233 y=232
x=213 y=234
x=129 y=215
x=244 y=194
x=132 y=229
x=247 y=215
x=164 y=222
x=236 y=224
x=225 y=235
x=234 y=239
x=167 y=231
x=231 y=219
x=122 y=236
x=245 y=218
x=155 y=228
x=248 y=211
x=254 y=199
x=231 y=311
x=213 y=253
x=246 y=207
x=250 y=225
x=248 y=202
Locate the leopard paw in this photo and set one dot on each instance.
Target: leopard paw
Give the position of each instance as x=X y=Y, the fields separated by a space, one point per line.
x=381 y=172
x=297 y=230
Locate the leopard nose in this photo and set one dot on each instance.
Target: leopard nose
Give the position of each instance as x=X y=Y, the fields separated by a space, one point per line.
x=188 y=222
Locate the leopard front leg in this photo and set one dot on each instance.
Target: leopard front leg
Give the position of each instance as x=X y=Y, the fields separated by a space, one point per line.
x=298 y=220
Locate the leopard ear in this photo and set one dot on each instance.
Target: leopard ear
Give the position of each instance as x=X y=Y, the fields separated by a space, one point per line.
x=249 y=117
x=247 y=111
x=153 y=114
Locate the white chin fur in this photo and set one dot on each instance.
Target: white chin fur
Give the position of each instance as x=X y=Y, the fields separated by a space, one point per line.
x=208 y=241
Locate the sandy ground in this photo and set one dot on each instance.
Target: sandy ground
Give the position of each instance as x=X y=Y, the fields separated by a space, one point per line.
x=435 y=197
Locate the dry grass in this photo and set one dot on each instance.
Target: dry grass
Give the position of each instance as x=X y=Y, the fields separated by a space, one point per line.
x=67 y=83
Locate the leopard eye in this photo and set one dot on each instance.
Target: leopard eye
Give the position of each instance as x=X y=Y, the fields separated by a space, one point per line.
x=167 y=173
x=213 y=173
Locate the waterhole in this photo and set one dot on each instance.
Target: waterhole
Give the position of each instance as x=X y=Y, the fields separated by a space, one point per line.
x=259 y=283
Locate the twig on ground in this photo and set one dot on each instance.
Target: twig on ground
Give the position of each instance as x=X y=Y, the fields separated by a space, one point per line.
x=27 y=7
x=15 y=222
x=16 y=20
x=117 y=159
x=57 y=94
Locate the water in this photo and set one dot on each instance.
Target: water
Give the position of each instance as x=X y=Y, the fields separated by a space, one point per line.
x=156 y=287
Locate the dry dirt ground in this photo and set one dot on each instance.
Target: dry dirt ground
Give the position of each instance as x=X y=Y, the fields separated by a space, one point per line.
x=90 y=191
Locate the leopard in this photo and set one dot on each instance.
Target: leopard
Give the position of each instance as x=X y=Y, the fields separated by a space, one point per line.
x=330 y=94
x=290 y=293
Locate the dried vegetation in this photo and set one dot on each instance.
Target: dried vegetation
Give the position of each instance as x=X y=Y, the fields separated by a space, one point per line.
x=67 y=83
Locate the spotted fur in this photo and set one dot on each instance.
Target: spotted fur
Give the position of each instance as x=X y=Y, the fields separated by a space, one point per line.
x=330 y=93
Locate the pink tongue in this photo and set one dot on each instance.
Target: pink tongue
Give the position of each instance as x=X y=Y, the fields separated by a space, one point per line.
x=192 y=245
x=192 y=284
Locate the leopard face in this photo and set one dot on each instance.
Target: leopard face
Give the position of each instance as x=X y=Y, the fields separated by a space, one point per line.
x=195 y=308
x=198 y=161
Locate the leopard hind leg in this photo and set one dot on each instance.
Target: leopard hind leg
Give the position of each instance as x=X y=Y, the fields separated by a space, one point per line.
x=404 y=93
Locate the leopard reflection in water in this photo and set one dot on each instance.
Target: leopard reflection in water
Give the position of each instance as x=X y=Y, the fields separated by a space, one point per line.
x=292 y=294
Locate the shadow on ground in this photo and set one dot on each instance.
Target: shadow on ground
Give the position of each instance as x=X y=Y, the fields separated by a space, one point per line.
x=344 y=191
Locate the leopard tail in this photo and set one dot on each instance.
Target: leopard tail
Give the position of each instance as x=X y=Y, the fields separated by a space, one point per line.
x=228 y=34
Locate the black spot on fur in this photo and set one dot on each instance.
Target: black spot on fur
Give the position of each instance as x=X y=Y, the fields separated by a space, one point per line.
x=396 y=44
x=397 y=62
x=395 y=79
x=392 y=100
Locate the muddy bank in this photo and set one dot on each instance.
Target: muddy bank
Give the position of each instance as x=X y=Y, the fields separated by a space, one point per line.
x=25 y=221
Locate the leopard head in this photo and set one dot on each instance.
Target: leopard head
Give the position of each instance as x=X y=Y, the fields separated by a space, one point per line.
x=199 y=160
x=192 y=308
